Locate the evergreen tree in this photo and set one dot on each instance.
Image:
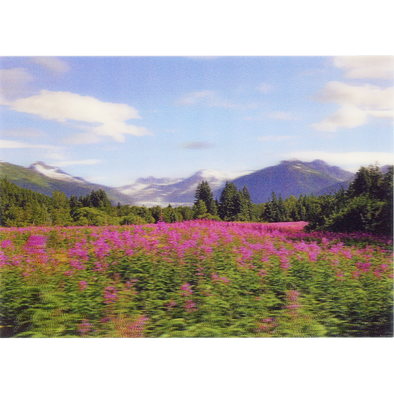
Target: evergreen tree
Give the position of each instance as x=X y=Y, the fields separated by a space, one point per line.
x=228 y=202
x=59 y=209
x=204 y=193
x=199 y=210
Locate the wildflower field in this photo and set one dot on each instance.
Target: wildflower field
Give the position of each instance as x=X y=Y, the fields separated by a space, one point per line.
x=194 y=279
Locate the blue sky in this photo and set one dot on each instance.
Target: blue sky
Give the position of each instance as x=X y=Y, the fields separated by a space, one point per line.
x=111 y=120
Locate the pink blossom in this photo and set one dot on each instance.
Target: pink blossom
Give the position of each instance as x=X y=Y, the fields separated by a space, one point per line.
x=190 y=306
x=7 y=243
x=186 y=290
x=110 y=294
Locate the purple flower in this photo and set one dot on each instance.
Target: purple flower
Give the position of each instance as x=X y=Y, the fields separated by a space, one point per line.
x=82 y=285
x=110 y=294
x=7 y=243
x=186 y=289
x=84 y=327
x=190 y=306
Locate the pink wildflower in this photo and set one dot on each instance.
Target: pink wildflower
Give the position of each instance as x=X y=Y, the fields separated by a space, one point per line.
x=7 y=243
x=110 y=294
x=84 y=327
x=339 y=275
x=190 y=306
x=137 y=328
x=186 y=290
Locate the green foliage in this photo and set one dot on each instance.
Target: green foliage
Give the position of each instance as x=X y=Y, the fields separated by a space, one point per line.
x=196 y=279
x=199 y=209
x=235 y=205
x=94 y=217
x=204 y=194
x=367 y=206
x=131 y=219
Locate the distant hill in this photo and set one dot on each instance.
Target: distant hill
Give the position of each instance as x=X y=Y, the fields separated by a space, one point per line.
x=46 y=179
x=289 y=177
x=293 y=177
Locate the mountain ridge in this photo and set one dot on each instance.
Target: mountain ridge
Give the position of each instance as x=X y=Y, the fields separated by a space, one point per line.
x=292 y=178
x=289 y=177
x=32 y=178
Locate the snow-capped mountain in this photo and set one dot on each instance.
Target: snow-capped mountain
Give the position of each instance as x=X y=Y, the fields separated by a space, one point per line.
x=54 y=172
x=46 y=179
x=293 y=178
x=290 y=177
x=176 y=191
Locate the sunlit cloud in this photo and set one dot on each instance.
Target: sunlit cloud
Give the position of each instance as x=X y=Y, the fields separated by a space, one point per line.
x=8 y=144
x=62 y=106
x=282 y=115
x=347 y=116
x=82 y=139
x=357 y=103
x=86 y=162
x=51 y=63
x=23 y=132
x=380 y=67
x=14 y=82
x=276 y=138
x=264 y=88
x=210 y=98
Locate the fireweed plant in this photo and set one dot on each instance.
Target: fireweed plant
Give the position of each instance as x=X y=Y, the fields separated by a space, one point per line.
x=194 y=279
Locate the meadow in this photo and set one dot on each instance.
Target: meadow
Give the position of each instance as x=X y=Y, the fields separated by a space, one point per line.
x=198 y=278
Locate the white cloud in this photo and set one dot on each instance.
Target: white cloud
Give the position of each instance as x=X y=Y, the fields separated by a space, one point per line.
x=51 y=63
x=13 y=83
x=65 y=105
x=209 y=98
x=347 y=116
x=357 y=103
x=7 y=144
x=81 y=139
x=61 y=106
x=366 y=96
x=282 y=115
x=23 y=132
x=116 y=129
x=381 y=67
x=276 y=138
x=346 y=159
x=205 y=97
x=86 y=162
x=264 y=88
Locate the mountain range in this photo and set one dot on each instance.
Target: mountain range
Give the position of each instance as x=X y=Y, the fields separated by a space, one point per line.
x=45 y=179
x=289 y=177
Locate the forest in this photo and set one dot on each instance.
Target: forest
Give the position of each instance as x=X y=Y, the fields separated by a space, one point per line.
x=366 y=206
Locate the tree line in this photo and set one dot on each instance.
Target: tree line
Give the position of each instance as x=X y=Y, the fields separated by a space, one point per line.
x=366 y=206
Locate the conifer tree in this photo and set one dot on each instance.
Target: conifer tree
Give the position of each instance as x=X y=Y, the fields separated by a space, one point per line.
x=60 y=209
x=227 y=202
x=199 y=209
x=204 y=193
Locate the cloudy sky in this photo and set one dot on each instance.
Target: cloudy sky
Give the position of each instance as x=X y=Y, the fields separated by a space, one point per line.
x=111 y=120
